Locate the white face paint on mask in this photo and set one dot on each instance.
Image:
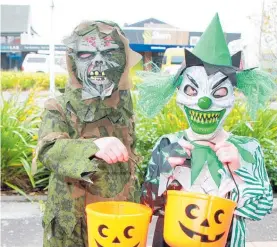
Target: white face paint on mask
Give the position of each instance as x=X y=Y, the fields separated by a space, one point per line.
x=206 y=100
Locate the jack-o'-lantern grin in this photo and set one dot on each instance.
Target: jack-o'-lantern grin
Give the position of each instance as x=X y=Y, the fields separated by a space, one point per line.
x=206 y=222
x=204 y=238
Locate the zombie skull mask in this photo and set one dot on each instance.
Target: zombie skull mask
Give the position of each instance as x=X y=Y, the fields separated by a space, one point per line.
x=100 y=60
x=205 y=99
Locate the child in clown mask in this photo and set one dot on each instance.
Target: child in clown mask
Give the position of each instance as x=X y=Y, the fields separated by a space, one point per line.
x=205 y=158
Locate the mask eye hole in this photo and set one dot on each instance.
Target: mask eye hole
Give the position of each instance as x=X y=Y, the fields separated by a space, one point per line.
x=84 y=55
x=190 y=91
x=221 y=92
x=109 y=54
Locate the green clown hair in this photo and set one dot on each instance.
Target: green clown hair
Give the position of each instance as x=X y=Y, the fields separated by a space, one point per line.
x=257 y=86
x=155 y=90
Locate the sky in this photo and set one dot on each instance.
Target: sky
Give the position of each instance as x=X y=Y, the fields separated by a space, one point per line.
x=189 y=15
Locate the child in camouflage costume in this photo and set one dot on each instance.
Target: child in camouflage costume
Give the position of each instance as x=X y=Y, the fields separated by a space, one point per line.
x=205 y=158
x=86 y=136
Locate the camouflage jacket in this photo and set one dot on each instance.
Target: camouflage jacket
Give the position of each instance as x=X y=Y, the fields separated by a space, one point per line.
x=69 y=126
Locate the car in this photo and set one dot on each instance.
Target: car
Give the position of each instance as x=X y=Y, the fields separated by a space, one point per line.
x=40 y=63
x=172 y=60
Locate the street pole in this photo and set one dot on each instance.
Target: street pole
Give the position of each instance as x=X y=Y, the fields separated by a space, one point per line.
x=52 y=51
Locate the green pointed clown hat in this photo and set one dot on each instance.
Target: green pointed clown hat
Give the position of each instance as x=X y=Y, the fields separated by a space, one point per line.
x=211 y=52
x=212 y=47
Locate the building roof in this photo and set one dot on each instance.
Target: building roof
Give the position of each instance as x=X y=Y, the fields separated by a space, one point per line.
x=150 y=20
x=15 y=19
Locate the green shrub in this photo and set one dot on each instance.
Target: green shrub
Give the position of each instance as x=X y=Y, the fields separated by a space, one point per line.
x=264 y=129
x=169 y=120
x=19 y=128
x=20 y=122
x=25 y=81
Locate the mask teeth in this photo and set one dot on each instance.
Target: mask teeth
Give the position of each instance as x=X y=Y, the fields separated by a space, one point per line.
x=203 y=117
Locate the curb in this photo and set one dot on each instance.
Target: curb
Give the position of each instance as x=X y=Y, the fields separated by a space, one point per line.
x=5 y=198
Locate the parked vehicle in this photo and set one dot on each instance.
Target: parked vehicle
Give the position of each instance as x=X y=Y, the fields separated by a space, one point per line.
x=41 y=63
x=172 y=60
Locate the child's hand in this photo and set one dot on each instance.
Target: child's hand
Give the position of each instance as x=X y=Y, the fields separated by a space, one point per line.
x=228 y=154
x=174 y=161
x=111 y=150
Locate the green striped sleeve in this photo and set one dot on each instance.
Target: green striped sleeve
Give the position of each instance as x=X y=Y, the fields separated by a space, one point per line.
x=256 y=199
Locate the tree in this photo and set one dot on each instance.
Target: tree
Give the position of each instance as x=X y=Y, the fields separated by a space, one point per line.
x=260 y=38
x=268 y=37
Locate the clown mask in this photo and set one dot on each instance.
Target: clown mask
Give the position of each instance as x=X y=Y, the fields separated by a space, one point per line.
x=100 y=60
x=206 y=100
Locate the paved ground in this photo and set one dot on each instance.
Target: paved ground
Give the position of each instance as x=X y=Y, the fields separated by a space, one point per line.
x=21 y=227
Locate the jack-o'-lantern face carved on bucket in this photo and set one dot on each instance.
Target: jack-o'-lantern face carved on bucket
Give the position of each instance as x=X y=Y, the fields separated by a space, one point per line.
x=120 y=224
x=216 y=219
x=197 y=220
x=108 y=238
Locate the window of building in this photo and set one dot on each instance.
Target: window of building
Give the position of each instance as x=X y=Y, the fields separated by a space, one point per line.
x=193 y=40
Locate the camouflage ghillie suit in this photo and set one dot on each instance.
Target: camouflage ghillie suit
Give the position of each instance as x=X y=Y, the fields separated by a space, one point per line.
x=70 y=124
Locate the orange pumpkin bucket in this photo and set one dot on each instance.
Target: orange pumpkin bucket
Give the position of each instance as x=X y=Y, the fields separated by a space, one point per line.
x=197 y=220
x=123 y=224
